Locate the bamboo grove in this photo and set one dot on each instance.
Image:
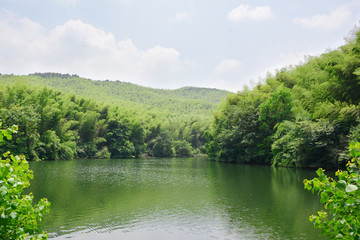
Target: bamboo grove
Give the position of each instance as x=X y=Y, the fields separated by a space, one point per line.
x=303 y=116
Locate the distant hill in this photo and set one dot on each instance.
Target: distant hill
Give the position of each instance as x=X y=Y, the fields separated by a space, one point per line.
x=186 y=100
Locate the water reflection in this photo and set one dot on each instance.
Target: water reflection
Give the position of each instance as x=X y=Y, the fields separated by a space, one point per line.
x=173 y=199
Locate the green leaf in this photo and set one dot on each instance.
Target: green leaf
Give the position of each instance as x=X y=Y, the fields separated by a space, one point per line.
x=350 y=201
x=319 y=171
x=357 y=71
x=339 y=236
x=3 y=190
x=339 y=194
x=351 y=188
x=324 y=197
x=342 y=182
x=13 y=214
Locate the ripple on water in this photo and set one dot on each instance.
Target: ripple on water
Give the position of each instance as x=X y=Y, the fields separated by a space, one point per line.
x=171 y=199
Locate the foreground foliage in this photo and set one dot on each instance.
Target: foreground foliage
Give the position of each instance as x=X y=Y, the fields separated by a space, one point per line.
x=341 y=199
x=19 y=219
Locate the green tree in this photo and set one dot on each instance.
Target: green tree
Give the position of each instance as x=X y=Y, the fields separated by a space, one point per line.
x=18 y=217
x=162 y=145
x=27 y=139
x=236 y=133
x=341 y=217
x=137 y=137
x=183 y=149
x=303 y=116
x=118 y=138
x=51 y=146
x=304 y=143
x=273 y=111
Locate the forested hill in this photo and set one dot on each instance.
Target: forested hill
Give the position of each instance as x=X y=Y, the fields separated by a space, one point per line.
x=62 y=116
x=186 y=100
x=303 y=116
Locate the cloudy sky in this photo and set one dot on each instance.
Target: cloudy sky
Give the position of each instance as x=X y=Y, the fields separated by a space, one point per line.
x=170 y=43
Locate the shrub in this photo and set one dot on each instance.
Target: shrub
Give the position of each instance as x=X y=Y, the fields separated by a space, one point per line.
x=341 y=217
x=183 y=149
x=18 y=217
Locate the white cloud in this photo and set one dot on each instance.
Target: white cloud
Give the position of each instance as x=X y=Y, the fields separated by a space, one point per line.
x=333 y=21
x=181 y=16
x=227 y=67
x=246 y=12
x=77 y=47
x=227 y=75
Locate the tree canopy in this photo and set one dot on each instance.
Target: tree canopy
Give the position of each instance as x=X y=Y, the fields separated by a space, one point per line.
x=131 y=121
x=302 y=116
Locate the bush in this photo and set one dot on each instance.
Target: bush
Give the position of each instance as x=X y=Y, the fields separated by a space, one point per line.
x=183 y=149
x=18 y=218
x=103 y=153
x=304 y=143
x=341 y=217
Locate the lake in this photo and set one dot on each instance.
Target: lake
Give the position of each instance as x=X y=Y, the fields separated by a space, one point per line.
x=173 y=198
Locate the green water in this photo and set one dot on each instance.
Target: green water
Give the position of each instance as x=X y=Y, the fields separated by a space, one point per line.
x=173 y=199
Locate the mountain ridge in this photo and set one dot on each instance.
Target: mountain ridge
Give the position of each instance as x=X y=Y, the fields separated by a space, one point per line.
x=183 y=100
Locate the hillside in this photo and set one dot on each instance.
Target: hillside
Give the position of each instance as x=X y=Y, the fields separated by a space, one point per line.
x=302 y=116
x=186 y=100
x=62 y=116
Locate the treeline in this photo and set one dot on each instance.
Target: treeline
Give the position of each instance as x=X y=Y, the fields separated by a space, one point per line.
x=54 y=75
x=54 y=125
x=179 y=102
x=302 y=116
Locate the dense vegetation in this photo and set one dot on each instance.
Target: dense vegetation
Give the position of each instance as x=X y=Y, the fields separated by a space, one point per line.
x=341 y=217
x=56 y=125
x=19 y=218
x=163 y=103
x=302 y=116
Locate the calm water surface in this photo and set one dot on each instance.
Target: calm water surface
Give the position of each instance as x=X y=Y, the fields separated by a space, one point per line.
x=173 y=199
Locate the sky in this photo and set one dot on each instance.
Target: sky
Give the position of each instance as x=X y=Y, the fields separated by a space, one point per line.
x=167 y=44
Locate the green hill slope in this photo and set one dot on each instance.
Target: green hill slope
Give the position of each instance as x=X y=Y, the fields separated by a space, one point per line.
x=302 y=116
x=187 y=100
x=62 y=116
